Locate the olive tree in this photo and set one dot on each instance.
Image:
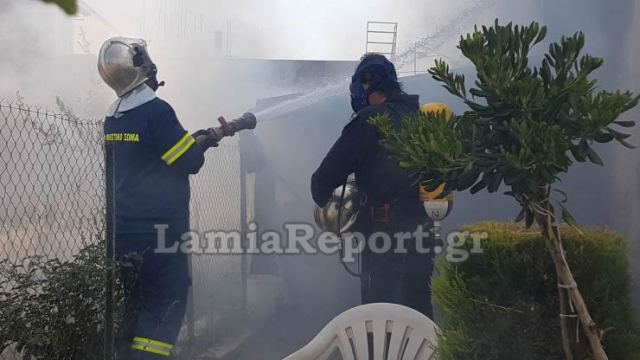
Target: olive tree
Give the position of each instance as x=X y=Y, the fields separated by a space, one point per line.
x=525 y=126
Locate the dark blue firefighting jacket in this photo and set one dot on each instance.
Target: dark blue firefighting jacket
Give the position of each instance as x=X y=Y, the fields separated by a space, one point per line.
x=149 y=157
x=358 y=151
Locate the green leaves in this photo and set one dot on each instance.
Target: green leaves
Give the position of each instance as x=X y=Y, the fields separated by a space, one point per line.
x=525 y=124
x=53 y=309
x=516 y=273
x=425 y=142
x=454 y=83
x=69 y=6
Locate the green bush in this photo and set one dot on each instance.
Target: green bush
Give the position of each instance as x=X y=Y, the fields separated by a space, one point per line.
x=53 y=309
x=503 y=303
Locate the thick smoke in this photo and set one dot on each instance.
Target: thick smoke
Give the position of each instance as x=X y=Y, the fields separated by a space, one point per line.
x=40 y=60
x=189 y=41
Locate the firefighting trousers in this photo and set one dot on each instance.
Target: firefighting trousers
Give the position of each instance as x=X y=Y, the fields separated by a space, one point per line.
x=154 y=309
x=401 y=278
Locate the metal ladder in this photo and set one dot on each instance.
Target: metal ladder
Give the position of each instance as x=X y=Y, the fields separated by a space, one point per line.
x=381 y=38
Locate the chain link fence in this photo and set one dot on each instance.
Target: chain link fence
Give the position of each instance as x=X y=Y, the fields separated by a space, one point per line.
x=218 y=298
x=52 y=210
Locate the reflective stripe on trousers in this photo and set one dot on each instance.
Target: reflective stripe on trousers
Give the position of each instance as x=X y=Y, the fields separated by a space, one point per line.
x=151 y=346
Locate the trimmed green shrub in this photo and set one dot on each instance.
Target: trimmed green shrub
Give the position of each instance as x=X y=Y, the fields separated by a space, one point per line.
x=503 y=303
x=53 y=309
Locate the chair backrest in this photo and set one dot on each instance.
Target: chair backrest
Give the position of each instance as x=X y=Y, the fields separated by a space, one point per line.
x=374 y=331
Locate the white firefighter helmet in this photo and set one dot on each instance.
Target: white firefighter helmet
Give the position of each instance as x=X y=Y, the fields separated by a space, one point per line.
x=327 y=217
x=124 y=64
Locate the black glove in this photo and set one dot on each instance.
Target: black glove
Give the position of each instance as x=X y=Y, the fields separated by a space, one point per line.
x=205 y=139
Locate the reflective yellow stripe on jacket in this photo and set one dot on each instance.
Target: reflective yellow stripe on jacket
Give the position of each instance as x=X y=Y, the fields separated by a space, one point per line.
x=152 y=346
x=178 y=149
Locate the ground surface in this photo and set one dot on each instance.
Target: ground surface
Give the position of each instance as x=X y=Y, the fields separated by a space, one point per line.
x=319 y=289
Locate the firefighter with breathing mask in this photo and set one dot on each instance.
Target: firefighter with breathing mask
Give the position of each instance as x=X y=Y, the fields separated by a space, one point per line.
x=389 y=198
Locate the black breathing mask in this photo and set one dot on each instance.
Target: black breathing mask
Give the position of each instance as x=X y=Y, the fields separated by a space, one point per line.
x=383 y=72
x=141 y=59
x=152 y=81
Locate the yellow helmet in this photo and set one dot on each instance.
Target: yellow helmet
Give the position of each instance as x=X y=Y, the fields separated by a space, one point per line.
x=435 y=107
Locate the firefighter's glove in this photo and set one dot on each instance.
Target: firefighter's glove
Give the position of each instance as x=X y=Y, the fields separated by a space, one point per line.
x=205 y=139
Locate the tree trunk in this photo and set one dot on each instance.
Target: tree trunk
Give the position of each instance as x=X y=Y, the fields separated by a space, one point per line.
x=564 y=326
x=567 y=338
x=551 y=233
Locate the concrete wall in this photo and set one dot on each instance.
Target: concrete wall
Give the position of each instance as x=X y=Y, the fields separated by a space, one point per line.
x=625 y=198
x=607 y=196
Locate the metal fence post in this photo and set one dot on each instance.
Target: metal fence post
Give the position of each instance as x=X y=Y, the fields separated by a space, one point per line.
x=243 y=223
x=109 y=353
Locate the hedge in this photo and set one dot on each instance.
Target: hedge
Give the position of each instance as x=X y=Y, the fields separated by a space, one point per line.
x=503 y=303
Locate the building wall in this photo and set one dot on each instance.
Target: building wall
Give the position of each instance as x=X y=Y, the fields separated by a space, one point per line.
x=607 y=196
x=625 y=200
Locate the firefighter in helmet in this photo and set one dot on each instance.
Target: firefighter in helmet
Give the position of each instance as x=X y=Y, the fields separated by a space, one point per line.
x=149 y=157
x=389 y=198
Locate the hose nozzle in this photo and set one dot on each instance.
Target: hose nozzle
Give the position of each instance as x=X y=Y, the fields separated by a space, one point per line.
x=244 y=122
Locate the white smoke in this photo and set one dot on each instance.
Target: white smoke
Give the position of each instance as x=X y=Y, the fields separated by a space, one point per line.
x=43 y=55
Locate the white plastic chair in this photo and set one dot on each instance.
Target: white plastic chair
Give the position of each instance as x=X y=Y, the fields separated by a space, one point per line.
x=391 y=331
